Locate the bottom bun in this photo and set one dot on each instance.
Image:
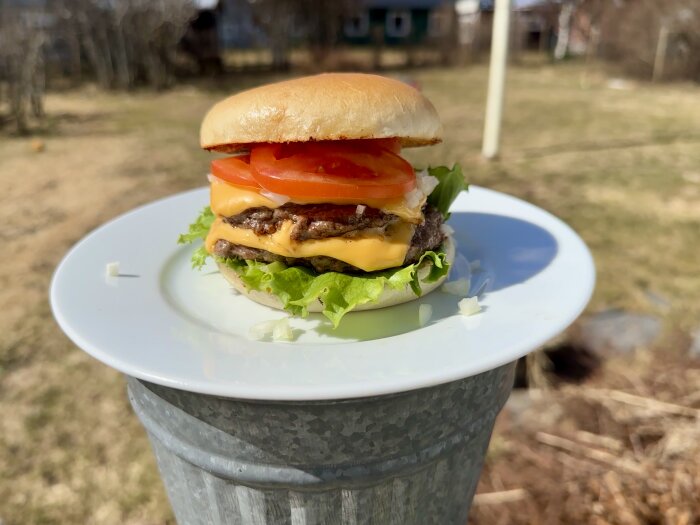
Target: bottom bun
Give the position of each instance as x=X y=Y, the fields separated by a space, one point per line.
x=389 y=297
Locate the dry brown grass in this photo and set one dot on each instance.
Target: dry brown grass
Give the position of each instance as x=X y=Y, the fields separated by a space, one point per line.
x=623 y=167
x=603 y=453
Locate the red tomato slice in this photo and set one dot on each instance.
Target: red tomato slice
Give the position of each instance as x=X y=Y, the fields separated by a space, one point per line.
x=236 y=170
x=393 y=145
x=355 y=145
x=338 y=169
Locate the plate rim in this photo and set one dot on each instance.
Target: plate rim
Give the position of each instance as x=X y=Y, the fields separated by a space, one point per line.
x=316 y=392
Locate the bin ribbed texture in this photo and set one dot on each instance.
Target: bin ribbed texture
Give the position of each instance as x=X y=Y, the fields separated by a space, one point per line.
x=408 y=458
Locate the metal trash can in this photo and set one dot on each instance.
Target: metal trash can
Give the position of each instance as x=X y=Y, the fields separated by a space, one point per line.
x=408 y=458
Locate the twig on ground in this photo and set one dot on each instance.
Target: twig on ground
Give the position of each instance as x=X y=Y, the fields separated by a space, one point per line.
x=579 y=464
x=504 y=496
x=601 y=441
x=591 y=453
x=543 y=461
x=640 y=401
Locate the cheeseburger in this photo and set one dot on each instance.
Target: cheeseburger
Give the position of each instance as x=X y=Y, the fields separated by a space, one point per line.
x=315 y=209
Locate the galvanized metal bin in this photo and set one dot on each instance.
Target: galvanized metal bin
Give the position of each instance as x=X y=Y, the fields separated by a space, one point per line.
x=408 y=458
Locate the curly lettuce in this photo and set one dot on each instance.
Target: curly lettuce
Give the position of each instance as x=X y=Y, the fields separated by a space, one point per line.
x=297 y=286
x=451 y=184
x=198 y=230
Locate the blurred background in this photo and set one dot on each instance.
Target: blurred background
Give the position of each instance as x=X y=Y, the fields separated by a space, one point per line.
x=100 y=104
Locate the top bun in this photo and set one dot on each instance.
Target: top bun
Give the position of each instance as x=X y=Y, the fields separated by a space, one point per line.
x=331 y=106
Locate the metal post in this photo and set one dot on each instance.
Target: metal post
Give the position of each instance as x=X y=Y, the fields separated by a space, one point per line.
x=497 y=78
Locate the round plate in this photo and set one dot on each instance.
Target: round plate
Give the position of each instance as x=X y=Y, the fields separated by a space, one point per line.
x=163 y=322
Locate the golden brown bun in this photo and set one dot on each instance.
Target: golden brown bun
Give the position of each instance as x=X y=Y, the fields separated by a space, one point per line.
x=331 y=106
x=389 y=297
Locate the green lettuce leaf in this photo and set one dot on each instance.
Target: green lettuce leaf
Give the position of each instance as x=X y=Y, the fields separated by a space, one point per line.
x=199 y=257
x=297 y=287
x=198 y=230
x=452 y=183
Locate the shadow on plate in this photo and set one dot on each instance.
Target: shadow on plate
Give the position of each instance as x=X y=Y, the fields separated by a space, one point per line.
x=510 y=251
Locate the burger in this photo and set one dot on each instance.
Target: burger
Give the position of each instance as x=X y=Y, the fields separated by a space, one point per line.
x=314 y=209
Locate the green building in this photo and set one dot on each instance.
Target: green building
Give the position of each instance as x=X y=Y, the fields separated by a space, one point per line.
x=398 y=22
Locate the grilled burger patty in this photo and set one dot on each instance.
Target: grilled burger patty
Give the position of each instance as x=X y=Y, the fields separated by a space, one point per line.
x=313 y=221
x=427 y=235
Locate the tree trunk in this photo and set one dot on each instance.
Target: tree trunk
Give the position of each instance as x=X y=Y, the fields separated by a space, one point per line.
x=93 y=51
x=123 y=73
x=564 y=33
x=36 y=70
x=16 y=92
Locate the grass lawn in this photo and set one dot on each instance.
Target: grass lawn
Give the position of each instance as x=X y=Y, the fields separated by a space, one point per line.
x=622 y=166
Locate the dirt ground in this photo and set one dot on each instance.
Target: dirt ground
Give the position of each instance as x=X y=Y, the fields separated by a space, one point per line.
x=620 y=162
x=622 y=449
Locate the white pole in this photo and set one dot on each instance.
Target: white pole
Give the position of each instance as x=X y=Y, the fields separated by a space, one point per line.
x=497 y=78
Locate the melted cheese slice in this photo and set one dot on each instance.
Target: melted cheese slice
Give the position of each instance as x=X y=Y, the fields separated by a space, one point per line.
x=367 y=253
x=228 y=200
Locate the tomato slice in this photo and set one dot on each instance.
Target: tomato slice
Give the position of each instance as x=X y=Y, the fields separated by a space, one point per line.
x=235 y=170
x=355 y=145
x=338 y=169
x=393 y=145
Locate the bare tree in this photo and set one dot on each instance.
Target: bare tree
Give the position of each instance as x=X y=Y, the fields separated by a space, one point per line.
x=564 y=29
x=324 y=19
x=589 y=25
x=448 y=41
x=277 y=18
x=22 y=69
x=631 y=33
x=312 y=23
x=127 y=42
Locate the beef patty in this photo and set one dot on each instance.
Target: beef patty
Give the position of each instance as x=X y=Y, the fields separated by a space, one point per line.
x=427 y=236
x=313 y=221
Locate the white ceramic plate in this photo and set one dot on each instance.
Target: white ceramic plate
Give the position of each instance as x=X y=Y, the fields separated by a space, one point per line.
x=163 y=322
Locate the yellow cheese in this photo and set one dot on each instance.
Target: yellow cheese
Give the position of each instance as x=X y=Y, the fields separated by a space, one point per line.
x=228 y=200
x=368 y=253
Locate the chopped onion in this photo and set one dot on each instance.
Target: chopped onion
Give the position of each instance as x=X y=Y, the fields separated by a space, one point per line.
x=277 y=329
x=282 y=331
x=459 y=287
x=469 y=306
x=112 y=269
x=426 y=183
x=275 y=197
x=425 y=312
x=360 y=209
x=414 y=198
x=261 y=330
